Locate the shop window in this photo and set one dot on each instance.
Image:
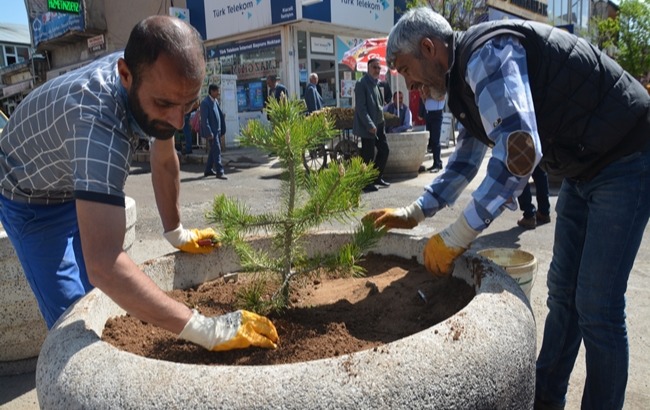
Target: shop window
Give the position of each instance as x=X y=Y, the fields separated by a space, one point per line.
x=302 y=45
x=251 y=60
x=13 y=55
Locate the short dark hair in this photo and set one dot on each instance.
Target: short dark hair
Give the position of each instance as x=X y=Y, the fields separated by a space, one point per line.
x=213 y=87
x=158 y=35
x=272 y=77
x=373 y=60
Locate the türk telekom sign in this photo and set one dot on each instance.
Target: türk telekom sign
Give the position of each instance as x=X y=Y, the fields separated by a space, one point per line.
x=228 y=17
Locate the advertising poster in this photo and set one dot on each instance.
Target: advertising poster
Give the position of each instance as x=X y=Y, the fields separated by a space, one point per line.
x=255 y=96
x=347 y=88
x=242 y=101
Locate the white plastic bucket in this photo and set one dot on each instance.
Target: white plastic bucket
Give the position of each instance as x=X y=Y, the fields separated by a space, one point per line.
x=520 y=265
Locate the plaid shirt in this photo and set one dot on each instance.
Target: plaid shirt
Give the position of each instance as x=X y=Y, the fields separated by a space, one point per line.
x=498 y=75
x=72 y=137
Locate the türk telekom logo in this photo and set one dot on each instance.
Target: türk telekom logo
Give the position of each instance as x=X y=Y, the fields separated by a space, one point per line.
x=241 y=8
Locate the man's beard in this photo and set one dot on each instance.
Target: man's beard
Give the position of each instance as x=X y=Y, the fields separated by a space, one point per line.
x=156 y=128
x=438 y=87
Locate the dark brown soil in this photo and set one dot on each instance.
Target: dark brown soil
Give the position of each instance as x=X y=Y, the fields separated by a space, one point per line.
x=329 y=317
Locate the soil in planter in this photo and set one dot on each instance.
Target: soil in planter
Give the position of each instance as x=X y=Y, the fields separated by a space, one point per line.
x=328 y=317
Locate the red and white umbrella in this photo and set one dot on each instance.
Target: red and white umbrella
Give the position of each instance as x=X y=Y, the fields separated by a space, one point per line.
x=357 y=57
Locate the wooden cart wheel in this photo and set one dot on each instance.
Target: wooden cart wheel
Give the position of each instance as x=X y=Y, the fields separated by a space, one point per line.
x=315 y=159
x=345 y=150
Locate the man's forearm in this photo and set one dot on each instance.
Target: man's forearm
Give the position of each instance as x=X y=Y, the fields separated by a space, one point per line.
x=165 y=171
x=136 y=293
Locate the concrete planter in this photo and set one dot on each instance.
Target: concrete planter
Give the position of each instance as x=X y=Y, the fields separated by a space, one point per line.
x=482 y=357
x=407 y=152
x=22 y=328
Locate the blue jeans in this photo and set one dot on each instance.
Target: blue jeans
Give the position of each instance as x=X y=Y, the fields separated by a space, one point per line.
x=214 y=156
x=541 y=194
x=600 y=224
x=47 y=242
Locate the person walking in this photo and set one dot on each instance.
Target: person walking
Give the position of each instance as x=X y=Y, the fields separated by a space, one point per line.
x=211 y=132
x=62 y=186
x=368 y=122
x=276 y=88
x=399 y=109
x=313 y=98
x=536 y=94
x=222 y=122
x=434 y=108
x=533 y=216
x=188 y=133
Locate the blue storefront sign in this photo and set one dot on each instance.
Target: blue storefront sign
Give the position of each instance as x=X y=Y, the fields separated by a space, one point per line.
x=243 y=46
x=219 y=18
x=283 y=11
x=51 y=25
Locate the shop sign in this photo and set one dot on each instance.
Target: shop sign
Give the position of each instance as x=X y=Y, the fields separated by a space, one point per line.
x=375 y=15
x=180 y=13
x=322 y=45
x=64 y=6
x=50 y=25
x=344 y=44
x=255 y=69
x=244 y=46
x=96 y=44
x=228 y=17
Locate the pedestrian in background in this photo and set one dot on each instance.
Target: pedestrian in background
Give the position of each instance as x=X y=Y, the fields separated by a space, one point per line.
x=313 y=98
x=276 y=89
x=188 y=133
x=211 y=132
x=368 y=122
x=434 y=108
x=386 y=91
x=62 y=202
x=542 y=214
x=222 y=122
x=536 y=94
x=399 y=109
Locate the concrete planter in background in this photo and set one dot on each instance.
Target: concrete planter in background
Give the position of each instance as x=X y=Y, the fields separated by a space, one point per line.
x=22 y=328
x=407 y=152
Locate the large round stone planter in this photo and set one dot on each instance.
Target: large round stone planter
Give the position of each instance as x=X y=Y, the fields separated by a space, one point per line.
x=407 y=152
x=482 y=357
x=22 y=328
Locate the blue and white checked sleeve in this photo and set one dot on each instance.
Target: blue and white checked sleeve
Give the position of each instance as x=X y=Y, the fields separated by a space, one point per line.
x=498 y=74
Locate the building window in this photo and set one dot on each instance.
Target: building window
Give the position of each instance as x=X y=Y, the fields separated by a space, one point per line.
x=13 y=55
x=251 y=60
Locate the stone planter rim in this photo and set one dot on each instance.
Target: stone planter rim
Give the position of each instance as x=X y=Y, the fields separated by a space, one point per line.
x=373 y=378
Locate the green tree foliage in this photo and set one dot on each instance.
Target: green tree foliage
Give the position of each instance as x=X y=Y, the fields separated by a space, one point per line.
x=308 y=200
x=629 y=35
x=634 y=40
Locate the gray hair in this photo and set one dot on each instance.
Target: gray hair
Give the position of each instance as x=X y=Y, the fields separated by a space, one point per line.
x=412 y=27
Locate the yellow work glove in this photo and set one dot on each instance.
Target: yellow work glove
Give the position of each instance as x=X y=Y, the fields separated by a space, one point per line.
x=442 y=249
x=193 y=240
x=404 y=218
x=236 y=330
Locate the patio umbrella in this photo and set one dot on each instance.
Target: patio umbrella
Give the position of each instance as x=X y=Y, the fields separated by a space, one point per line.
x=357 y=57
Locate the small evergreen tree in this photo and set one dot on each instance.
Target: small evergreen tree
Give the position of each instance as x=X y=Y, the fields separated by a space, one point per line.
x=308 y=200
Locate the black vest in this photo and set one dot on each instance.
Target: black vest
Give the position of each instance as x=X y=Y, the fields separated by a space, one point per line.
x=589 y=111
